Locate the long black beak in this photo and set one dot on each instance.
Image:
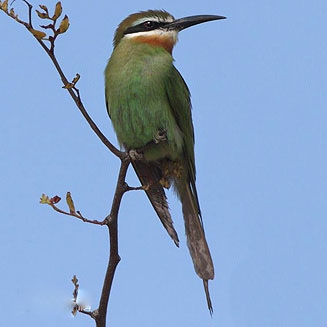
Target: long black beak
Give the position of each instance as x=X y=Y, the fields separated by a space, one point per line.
x=182 y=23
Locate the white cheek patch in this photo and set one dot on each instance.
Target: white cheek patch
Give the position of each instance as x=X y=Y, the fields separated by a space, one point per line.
x=154 y=34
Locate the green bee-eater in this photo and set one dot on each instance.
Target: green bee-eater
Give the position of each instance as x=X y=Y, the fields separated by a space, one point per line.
x=149 y=105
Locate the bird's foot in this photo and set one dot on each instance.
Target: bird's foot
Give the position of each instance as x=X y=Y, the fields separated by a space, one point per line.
x=134 y=155
x=177 y=170
x=170 y=170
x=165 y=182
x=160 y=136
x=146 y=187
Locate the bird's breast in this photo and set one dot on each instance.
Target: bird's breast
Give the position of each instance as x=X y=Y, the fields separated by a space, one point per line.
x=137 y=98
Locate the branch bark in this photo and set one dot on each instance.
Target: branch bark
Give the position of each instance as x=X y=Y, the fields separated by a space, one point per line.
x=111 y=221
x=114 y=258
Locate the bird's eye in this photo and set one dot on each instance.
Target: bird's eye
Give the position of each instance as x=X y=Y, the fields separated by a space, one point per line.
x=148 y=24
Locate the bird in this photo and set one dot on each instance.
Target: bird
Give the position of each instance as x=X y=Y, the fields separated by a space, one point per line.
x=149 y=104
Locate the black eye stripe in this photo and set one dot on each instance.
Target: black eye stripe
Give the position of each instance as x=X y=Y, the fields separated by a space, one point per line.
x=148 y=25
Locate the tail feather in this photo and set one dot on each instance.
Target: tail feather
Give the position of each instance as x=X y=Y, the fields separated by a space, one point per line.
x=196 y=240
x=206 y=290
x=150 y=174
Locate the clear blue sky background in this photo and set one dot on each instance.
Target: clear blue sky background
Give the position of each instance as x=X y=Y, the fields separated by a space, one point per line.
x=258 y=83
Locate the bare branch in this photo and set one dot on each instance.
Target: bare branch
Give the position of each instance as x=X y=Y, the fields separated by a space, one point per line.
x=111 y=221
x=135 y=188
x=77 y=214
x=114 y=258
x=73 y=91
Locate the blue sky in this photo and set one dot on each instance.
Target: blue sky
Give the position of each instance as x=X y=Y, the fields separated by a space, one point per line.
x=258 y=83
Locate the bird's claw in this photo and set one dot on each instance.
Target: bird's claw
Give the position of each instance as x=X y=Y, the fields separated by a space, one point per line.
x=165 y=182
x=146 y=187
x=134 y=155
x=160 y=136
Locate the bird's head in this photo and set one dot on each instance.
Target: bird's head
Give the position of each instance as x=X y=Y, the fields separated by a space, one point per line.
x=157 y=27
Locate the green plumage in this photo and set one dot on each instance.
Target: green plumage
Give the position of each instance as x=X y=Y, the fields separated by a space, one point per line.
x=149 y=105
x=138 y=93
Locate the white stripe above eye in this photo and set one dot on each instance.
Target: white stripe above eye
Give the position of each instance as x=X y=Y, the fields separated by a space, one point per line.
x=169 y=19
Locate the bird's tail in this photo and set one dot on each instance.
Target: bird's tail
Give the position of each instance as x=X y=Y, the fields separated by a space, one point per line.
x=149 y=175
x=196 y=240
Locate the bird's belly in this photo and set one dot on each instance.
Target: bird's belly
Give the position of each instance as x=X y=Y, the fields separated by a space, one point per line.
x=136 y=126
x=138 y=123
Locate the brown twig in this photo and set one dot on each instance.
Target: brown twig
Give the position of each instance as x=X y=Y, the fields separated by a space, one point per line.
x=135 y=188
x=75 y=94
x=78 y=215
x=72 y=90
x=111 y=221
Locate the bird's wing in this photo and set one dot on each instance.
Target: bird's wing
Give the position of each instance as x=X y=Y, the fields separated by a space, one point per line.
x=149 y=175
x=180 y=103
x=179 y=98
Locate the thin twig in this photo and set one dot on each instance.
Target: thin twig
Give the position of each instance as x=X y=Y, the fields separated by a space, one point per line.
x=111 y=221
x=78 y=101
x=30 y=7
x=73 y=91
x=88 y=313
x=78 y=215
x=135 y=188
